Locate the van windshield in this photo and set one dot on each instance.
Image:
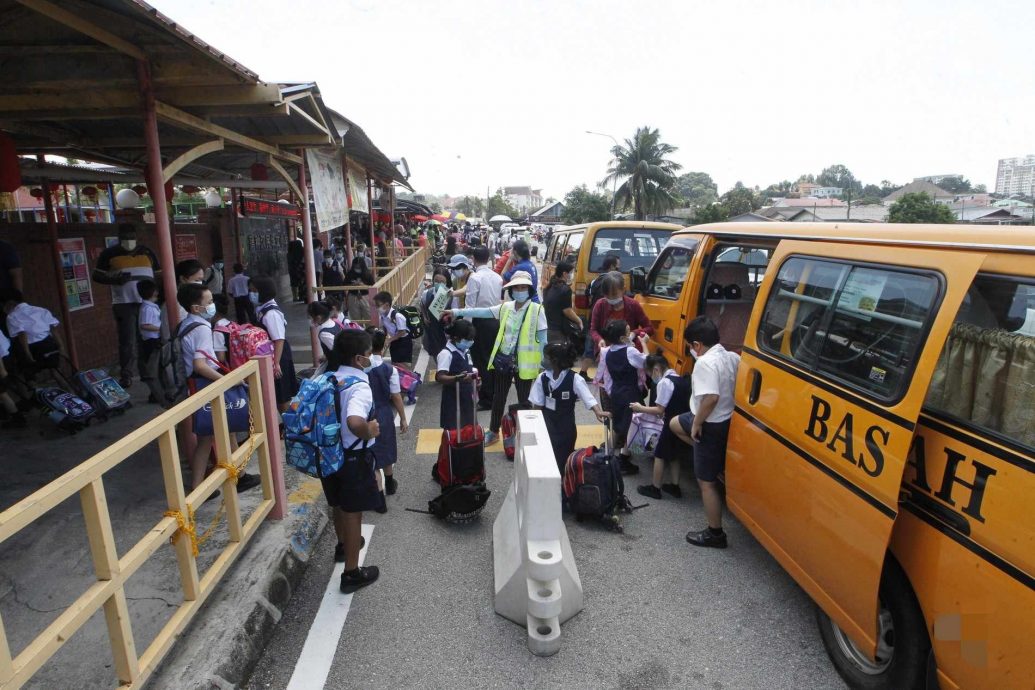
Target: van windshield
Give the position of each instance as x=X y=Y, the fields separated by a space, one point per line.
x=636 y=248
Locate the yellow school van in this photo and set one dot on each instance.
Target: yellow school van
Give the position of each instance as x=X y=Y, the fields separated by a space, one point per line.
x=883 y=445
x=635 y=243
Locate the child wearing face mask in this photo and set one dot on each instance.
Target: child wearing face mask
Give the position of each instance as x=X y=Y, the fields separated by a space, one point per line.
x=671 y=399
x=555 y=392
x=400 y=342
x=384 y=382
x=456 y=374
x=622 y=364
x=272 y=319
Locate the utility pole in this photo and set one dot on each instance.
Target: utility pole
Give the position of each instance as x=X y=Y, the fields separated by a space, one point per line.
x=614 y=182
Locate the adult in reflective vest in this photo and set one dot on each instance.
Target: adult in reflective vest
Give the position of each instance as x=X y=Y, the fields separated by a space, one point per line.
x=517 y=355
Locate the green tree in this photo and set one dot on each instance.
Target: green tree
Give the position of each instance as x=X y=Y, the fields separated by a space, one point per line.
x=696 y=189
x=919 y=207
x=714 y=213
x=887 y=187
x=779 y=189
x=740 y=200
x=956 y=185
x=498 y=204
x=838 y=175
x=471 y=206
x=645 y=175
x=581 y=205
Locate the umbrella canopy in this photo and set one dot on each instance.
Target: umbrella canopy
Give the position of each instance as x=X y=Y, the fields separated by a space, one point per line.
x=450 y=215
x=500 y=219
x=433 y=222
x=440 y=217
x=419 y=218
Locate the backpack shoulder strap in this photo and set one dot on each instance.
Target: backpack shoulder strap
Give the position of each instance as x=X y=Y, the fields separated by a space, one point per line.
x=182 y=332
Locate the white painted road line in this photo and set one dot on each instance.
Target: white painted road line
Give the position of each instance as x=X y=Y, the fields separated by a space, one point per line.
x=314 y=663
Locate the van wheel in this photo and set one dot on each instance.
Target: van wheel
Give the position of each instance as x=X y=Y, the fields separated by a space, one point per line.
x=903 y=646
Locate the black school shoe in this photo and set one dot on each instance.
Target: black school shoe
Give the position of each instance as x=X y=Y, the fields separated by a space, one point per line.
x=672 y=490
x=339 y=550
x=352 y=580
x=707 y=538
x=391 y=485
x=247 y=481
x=628 y=467
x=649 y=490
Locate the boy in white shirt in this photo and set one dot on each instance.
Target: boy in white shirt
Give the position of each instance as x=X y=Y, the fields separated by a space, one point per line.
x=707 y=424
x=149 y=323
x=34 y=331
x=393 y=323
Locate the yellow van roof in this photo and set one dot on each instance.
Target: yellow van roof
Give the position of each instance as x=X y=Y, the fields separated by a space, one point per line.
x=619 y=224
x=990 y=238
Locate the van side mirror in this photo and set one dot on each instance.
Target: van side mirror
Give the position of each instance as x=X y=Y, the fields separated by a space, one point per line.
x=638 y=280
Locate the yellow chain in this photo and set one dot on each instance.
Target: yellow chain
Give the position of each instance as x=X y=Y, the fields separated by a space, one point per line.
x=186 y=525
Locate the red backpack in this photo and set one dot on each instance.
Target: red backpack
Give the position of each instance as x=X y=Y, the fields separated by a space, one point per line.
x=245 y=342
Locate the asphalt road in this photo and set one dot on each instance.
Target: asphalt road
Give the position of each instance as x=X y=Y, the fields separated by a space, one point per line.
x=658 y=612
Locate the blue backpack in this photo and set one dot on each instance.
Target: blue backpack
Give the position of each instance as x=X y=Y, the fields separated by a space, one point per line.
x=312 y=426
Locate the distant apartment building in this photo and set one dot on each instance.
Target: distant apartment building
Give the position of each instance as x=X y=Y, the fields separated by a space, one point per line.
x=524 y=199
x=1015 y=176
x=818 y=191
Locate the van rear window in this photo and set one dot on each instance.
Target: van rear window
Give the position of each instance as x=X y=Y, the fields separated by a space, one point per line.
x=635 y=248
x=861 y=325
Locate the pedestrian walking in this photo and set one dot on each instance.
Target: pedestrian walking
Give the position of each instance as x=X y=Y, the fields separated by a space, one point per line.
x=400 y=342
x=384 y=382
x=517 y=352
x=214 y=278
x=237 y=287
x=706 y=426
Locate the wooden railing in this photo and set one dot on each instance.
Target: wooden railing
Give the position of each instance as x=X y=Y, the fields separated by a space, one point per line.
x=177 y=524
x=403 y=282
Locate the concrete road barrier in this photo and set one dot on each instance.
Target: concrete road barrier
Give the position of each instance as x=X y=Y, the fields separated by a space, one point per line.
x=536 y=580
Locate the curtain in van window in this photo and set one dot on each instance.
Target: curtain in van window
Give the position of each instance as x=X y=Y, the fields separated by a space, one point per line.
x=987 y=377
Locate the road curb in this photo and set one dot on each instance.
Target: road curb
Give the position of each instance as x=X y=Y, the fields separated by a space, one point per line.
x=219 y=649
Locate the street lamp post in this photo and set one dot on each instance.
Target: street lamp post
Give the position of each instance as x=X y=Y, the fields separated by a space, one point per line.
x=614 y=182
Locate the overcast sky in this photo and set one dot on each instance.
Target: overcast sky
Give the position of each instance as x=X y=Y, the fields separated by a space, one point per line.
x=487 y=93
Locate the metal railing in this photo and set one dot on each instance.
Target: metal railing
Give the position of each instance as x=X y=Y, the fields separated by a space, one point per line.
x=403 y=282
x=176 y=524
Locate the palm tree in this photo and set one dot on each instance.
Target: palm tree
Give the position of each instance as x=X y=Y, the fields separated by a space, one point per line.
x=647 y=177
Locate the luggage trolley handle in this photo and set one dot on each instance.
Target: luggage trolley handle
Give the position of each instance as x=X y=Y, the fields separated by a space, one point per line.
x=459 y=424
x=609 y=441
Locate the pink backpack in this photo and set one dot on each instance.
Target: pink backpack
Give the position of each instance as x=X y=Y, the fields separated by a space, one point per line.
x=245 y=342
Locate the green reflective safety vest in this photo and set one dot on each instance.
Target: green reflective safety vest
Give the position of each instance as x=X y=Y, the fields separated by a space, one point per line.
x=529 y=356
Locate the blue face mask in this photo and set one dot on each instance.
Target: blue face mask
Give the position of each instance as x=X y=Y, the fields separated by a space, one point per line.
x=519 y=295
x=465 y=345
x=210 y=311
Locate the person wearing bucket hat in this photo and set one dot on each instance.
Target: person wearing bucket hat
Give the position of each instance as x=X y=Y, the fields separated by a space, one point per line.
x=517 y=354
x=459 y=271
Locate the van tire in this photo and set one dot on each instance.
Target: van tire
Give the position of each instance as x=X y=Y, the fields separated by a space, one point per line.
x=902 y=623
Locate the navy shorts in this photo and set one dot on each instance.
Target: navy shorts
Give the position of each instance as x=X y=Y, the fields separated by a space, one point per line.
x=710 y=451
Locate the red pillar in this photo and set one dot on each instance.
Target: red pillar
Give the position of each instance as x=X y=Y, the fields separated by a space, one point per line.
x=153 y=175
x=307 y=242
x=59 y=271
x=375 y=316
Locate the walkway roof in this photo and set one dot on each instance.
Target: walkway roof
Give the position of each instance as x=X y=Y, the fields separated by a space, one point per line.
x=71 y=88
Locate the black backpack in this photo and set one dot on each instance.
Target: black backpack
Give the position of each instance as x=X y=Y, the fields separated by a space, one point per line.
x=414 y=322
x=460 y=502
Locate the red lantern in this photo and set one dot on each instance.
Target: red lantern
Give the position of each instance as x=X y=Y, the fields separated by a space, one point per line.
x=89 y=192
x=189 y=189
x=140 y=189
x=168 y=191
x=36 y=192
x=10 y=172
x=259 y=172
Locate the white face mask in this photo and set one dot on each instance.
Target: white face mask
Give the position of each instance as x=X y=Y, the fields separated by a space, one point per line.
x=128 y=245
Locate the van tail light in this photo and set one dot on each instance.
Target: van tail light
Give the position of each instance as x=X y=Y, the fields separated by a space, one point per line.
x=581 y=300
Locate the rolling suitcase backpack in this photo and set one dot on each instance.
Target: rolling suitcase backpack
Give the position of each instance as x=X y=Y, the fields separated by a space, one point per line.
x=69 y=412
x=460 y=471
x=508 y=429
x=593 y=485
x=103 y=392
x=409 y=383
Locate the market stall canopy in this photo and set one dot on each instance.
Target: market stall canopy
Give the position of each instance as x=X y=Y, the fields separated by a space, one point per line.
x=500 y=219
x=73 y=77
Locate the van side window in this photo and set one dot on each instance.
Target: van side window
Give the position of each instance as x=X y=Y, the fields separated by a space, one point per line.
x=571 y=251
x=669 y=272
x=730 y=289
x=557 y=249
x=985 y=376
x=861 y=325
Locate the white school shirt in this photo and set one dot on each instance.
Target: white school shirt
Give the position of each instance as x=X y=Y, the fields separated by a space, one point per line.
x=327 y=339
x=197 y=343
x=444 y=360
x=34 y=322
x=356 y=401
x=395 y=324
x=537 y=396
x=484 y=288
x=150 y=315
x=5 y=345
x=664 y=389
x=219 y=340
x=393 y=380
x=274 y=320
x=715 y=373
x=238 y=285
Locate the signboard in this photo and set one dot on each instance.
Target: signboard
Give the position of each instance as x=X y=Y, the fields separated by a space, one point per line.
x=186 y=247
x=265 y=207
x=328 y=184
x=440 y=302
x=76 y=273
x=358 y=192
